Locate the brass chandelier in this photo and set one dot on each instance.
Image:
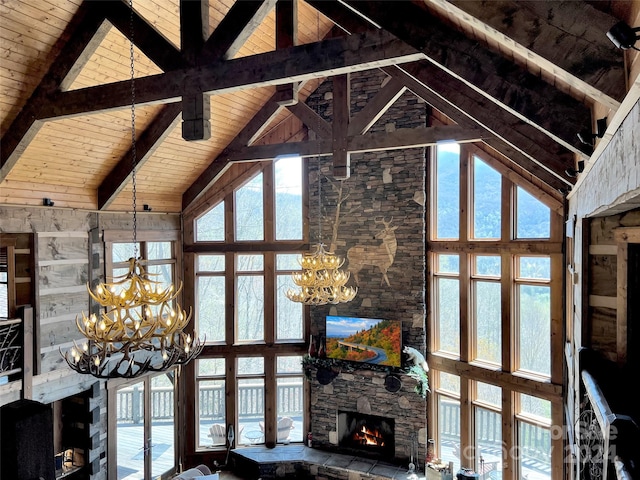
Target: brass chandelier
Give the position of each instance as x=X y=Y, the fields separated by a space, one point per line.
x=321 y=281
x=140 y=327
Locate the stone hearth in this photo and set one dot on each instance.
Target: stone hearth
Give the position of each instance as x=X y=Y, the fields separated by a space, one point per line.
x=304 y=463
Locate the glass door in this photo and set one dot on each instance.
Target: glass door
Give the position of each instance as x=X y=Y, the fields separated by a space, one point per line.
x=144 y=426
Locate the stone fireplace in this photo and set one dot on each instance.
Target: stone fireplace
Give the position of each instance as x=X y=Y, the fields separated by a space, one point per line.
x=369 y=435
x=380 y=210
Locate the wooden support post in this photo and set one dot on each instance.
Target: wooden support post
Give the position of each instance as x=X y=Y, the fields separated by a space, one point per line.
x=287 y=36
x=341 y=102
x=26 y=313
x=196 y=112
x=196 y=109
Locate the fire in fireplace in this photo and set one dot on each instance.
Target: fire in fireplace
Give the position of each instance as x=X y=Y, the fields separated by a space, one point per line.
x=369 y=435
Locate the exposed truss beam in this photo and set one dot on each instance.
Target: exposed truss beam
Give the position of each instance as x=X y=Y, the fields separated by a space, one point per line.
x=563 y=38
x=499 y=79
x=304 y=62
x=371 y=142
x=508 y=140
x=85 y=31
x=146 y=144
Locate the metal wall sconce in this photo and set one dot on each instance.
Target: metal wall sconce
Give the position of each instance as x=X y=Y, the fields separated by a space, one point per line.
x=574 y=173
x=623 y=36
x=47 y=202
x=587 y=137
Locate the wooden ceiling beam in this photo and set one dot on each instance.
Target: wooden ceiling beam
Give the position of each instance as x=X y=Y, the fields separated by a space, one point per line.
x=506 y=84
x=194 y=28
x=159 y=128
x=371 y=142
x=457 y=94
x=287 y=36
x=85 y=31
x=150 y=42
x=362 y=121
x=311 y=119
x=565 y=39
x=235 y=29
x=303 y=62
x=507 y=140
x=220 y=164
x=340 y=126
x=196 y=106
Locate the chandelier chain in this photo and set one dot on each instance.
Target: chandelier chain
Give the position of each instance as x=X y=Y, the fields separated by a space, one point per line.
x=134 y=160
x=140 y=325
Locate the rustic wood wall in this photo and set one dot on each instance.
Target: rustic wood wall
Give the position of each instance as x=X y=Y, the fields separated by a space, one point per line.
x=602 y=281
x=67 y=254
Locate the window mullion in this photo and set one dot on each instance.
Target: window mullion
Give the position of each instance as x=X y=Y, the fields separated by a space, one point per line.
x=507 y=310
x=465 y=309
x=269 y=298
x=230 y=298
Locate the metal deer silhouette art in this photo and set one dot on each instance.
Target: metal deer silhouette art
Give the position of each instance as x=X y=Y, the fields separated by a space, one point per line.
x=380 y=256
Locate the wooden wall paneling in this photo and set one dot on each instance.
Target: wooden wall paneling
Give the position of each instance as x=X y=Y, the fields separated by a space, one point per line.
x=583 y=320
x=602 y=329
x=63 y=273
x=26 y=313
x=623 y=236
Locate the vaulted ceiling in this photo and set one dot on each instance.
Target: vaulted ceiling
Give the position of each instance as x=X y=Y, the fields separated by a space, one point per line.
x=216 y=79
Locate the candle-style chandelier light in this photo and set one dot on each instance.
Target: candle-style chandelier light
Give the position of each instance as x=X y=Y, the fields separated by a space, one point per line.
x=140 y=327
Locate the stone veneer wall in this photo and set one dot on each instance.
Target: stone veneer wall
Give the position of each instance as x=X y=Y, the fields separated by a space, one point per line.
x=389 y=185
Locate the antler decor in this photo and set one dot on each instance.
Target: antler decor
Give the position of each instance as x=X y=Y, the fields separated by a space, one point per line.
x=321 y=280
x=140 y=331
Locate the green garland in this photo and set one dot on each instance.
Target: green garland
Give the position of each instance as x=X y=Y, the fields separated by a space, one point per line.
x=416 y=372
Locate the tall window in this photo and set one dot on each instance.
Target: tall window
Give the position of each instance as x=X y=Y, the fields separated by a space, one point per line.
x=245 y=249
x=495 y=327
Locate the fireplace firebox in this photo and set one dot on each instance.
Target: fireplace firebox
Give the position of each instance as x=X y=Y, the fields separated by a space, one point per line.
x=369 y=435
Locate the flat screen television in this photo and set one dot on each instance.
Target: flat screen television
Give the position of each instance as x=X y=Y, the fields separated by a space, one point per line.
x=368 y=340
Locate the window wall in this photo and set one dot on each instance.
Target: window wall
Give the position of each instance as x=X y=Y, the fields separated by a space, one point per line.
x=495 y=328
x=245 y=245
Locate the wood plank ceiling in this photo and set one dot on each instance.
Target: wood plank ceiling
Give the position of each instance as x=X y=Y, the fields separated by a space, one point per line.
x=522 y=76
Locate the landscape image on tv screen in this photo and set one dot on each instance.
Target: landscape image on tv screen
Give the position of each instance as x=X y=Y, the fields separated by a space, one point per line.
x=369 y=340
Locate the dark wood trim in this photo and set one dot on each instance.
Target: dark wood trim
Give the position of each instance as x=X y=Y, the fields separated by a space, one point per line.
x=280 y=246
x=515 y=144
x=221 y=163
x=497 y=247
x=311 y=119
x=287 y=36
x=340 y=126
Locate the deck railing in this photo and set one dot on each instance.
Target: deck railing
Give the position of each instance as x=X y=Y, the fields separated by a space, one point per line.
x=211 y=402
x=534 y=442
